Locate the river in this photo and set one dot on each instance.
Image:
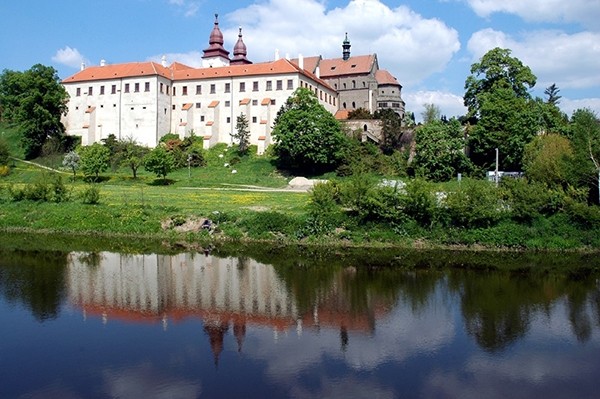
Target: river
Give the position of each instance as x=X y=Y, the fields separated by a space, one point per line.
x=105 y=324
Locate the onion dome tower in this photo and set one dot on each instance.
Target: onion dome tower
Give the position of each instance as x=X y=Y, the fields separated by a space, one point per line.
x=240 y=52
x=215 y=55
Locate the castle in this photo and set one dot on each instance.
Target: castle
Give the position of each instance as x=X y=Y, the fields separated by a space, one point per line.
x=146 y=100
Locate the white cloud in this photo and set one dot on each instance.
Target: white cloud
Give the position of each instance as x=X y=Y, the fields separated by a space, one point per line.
x=189 y=8
x=193 y=58
x=450 y=104
x=410 y=46
x=584 y=12
x=70 y=57
x=568 y=106
x=569 y=60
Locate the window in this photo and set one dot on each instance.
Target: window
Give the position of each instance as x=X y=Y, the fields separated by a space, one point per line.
x=254 y=119
x=364 y=84
x=212 y=89
x=78 y=92
x=273 y=102
x=113 y=89
x=344 y=106
x=76 y=108
x=147 y=86
x=242 y=87
x=269 y=85
x=227 y=103
x=279 y=85
x=320 y=95
x=184 y=91
x=167 y=87
x=198 y=89
x=174 y=91
x=353 y=104
x=383 y=105
x=335 y=86
x=101 y=90
x=254 y=102
x=290 y=84
x=228 y=119
x=90 y=91
x=137 y=88
x=354 y=84
x=114 y=105
x=227 y=87
x=198 y=105
x=201 y=118
x=254 y=86
x=173 y=107
x=344 y=85
x=162 y=87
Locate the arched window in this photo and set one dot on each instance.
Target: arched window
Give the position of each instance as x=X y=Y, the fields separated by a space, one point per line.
x=353 y=104
x=344 y=105
x=344 y=85
x=354 y=84
x=365 y=127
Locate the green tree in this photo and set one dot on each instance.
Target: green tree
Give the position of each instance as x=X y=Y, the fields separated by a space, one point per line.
x=307 y=137
x=160 y=162
x=391 y=130
x=4 y=152
x=71 y=161
x=552 y=93
x=498 y=101
x=34 y=100
x=132 y=155
x=94 y=159
x=431 y=113
x=242 y=134
x=440 y=150
x=547 y=158
x=585 y=128
x=496 y=70
x=360 y=113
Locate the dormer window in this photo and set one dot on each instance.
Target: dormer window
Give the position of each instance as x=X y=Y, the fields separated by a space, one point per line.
x=333 y=68
x=353 y=66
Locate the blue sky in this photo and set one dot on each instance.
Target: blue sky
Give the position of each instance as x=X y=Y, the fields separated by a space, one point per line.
x=429 y=45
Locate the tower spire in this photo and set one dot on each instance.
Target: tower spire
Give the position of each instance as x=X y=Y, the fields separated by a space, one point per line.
x=240 y=52
x=346 y=48
x=215 y=54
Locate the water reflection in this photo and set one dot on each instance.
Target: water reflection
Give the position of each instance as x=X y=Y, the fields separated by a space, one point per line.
x=188 y=325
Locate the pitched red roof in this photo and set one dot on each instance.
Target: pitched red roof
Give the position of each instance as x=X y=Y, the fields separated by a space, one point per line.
x=213 y=104
x=383 y=77
x=310 y=63
x=342 y=114
x=117 y=71
x=245 y=101
x=265 y=101
x=187 y=106
x=357 y=65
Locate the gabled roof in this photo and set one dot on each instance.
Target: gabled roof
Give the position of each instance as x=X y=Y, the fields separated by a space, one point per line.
x=361 y=64
x=310 y=63
x=118 y=71
x=178 y=66
x=383 y=77
x=342 y=114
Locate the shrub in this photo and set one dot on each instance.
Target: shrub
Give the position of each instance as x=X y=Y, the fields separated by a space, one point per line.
x=324 y=212
x=582 y=213
x=529 y=200
x=4 y=152
x=90 y=195
x=420 y=202
x=261 y=223
x=4 y=170
x=58 y=189
x=475 y=204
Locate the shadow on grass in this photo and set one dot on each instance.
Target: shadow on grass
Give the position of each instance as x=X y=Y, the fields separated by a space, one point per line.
x=94 y=179
x=161 y=182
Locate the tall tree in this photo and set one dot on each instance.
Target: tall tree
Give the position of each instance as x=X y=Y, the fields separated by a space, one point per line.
x=242 y=134
x=552 y=93
x=498 y=101
x=496 y=70
x=132 y=155
x=160 y=162
x=586 y=143
x=546 y=159
x=308 y=137
x=391 y=130
x=35 y=101
x=431 y=113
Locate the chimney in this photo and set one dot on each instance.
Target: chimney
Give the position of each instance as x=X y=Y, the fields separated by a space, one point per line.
x=287 y=56
x=102 y=63
x=276 y=54
x=82 y=66
x=318 y=72
x=163 y=61
x=300 y=61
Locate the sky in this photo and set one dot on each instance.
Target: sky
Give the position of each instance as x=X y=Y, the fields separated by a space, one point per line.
x=428 y=45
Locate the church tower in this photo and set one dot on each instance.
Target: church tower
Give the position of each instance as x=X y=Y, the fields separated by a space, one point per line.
x=346 y=48
x=240 y=52
x=215 y=55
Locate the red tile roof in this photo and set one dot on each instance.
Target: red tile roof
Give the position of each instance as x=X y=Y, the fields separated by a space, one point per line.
x=385 y=78
x=310 y=63
x=209 y=123
x=213 y=104
x=265 y=101
x=90 y=110
x=245 y=101
x=187 y=106
x=360 y=64
x=262 y=137
x=178 y=66
x=118 y=71
x=342 y=114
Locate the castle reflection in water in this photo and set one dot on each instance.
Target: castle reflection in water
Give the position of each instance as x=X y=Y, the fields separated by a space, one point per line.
x=223 y=292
